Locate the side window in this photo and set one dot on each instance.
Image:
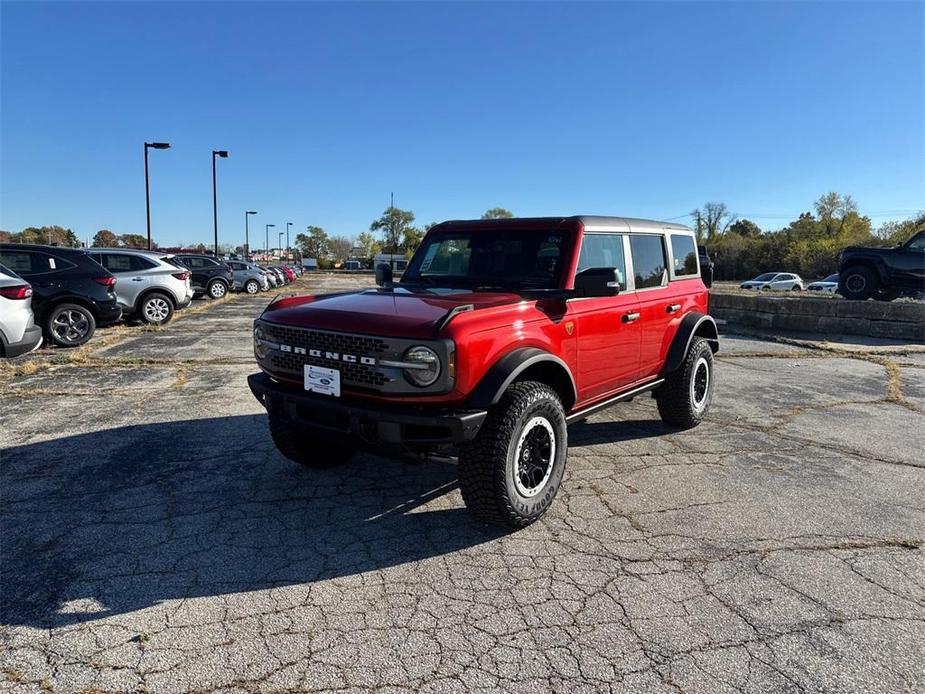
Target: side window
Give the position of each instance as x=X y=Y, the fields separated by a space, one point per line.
x=208 y=262
x=21 y=262
x=648 y=260
x=603 y=250
x=117 y=262
x=193 y=263
x=684 y=253
x=917 y=243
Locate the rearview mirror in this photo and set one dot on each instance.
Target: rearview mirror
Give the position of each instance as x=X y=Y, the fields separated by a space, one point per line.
x=598 y=281
x=383 y=274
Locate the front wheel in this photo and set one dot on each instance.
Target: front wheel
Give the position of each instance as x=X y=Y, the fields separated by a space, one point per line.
x=69 y=325
x=307 y=450
x=510 y=474
x=217 y=289
x=685 y=397
x=252 y=286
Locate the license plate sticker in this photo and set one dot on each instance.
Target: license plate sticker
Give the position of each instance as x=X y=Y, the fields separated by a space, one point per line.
x=319 y=379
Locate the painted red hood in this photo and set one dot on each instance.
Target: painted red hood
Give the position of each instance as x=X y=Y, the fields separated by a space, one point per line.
x=398 y=313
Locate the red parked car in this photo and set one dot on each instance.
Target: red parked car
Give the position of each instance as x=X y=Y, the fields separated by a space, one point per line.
x=499 y=335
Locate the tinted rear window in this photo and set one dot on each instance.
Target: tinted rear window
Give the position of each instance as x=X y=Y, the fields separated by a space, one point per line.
x=684 y=252
x=648 y=260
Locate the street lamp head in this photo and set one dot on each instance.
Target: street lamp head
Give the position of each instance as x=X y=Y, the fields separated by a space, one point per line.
x=220 y=152
x=271 y=225
x=249 y=212
x=158 y=145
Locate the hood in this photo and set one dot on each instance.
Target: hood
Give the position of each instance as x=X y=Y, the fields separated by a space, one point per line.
x=396 y=312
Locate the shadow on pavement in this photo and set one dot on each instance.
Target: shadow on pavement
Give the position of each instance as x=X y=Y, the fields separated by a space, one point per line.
x=119 y=520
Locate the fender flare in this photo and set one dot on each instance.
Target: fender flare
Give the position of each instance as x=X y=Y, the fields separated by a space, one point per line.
x=506 y=370
x=693 y=324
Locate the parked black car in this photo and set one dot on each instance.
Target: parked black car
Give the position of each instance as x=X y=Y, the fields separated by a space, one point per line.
x=72 y=293
x=210 y=276
x=883 y=273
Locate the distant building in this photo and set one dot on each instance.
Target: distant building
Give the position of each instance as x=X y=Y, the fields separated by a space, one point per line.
x=309 y=263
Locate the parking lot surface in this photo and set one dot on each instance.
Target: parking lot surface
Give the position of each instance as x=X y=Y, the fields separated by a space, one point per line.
x=154 y=540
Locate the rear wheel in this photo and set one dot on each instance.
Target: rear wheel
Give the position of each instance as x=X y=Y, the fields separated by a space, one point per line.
x=305 y=449
x=155 y=309
x=69 y=325
x=217 y=289
x=685 y=397
x=510 y=474
x=858 y=282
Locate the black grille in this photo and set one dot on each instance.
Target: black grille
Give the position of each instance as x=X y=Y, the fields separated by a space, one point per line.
x=333 y=342
x=359 y=375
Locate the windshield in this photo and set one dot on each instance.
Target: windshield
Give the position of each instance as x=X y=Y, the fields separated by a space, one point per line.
x=487 y=259
x=831 y=278
x=766 y=277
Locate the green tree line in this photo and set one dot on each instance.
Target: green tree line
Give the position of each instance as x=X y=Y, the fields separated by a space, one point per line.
x=808 y=246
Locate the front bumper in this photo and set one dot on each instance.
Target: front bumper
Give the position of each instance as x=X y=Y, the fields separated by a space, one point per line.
x=367 y=426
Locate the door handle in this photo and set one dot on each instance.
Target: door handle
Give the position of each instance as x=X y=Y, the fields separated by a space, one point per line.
x=673 y=307
x=138 y=279
x=630 y=317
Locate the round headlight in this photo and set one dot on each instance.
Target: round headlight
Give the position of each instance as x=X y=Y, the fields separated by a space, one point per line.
x=260 y=347
x=423 y=366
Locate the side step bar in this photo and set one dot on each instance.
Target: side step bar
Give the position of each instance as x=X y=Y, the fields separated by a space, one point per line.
x=629 y=394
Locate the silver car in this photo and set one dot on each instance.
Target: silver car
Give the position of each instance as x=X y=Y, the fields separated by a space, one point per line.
x=775 y=280
x=149 y=286
x=18 y=332
x=247 y=277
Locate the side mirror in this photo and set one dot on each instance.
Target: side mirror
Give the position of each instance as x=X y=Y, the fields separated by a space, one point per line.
x=598 y=281
x=383 y=274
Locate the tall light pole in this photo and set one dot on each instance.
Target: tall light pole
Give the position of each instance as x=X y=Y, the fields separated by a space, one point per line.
x=280 y=242
x=267 y=251
x=224 y=155
x=247 y=243
x=153 y=145
x=288 y=224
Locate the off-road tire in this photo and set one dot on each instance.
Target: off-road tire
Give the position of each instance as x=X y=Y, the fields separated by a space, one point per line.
x=487 y=466
x=252 y=286
x=61 y=318
x=309 y=451
x=217 y=289
x=677 y=399
x=155 y=309
x=858 y=282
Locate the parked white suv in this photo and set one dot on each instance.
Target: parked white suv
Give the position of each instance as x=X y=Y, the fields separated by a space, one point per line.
x=148 y=286
x=775 y=280
x=18 y=332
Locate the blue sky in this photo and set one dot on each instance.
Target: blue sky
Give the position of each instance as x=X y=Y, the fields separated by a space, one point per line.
x=556 y=108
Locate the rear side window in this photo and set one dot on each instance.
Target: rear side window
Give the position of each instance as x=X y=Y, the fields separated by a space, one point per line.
x=20 y=262
x=684 y=253
x=603 y=250
x=648 y=260
x=124 y=262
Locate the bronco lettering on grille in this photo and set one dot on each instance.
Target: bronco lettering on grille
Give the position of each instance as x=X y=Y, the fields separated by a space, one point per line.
x=333 y=356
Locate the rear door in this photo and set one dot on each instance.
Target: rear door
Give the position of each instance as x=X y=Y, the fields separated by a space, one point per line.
x=655 y=299
x=608 y=336
x=131 y=278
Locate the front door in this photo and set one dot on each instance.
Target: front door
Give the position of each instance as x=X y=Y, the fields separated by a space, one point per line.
x=608 y=334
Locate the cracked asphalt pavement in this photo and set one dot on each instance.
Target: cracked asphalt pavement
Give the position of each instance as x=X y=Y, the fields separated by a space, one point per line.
x=154 y=540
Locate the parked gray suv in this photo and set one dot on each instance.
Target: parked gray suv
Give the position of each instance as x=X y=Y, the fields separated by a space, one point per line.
x=149 y=286
x=248 y=277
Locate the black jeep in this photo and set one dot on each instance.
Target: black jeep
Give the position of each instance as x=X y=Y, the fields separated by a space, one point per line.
x=883 y=273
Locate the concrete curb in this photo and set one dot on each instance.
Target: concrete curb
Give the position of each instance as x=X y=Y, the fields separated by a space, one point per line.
x=899 y=320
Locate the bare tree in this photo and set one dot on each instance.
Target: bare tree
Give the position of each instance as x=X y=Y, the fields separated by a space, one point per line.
x=712 y=220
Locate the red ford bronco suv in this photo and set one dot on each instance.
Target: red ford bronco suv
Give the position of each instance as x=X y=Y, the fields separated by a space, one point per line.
x=499 y=335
